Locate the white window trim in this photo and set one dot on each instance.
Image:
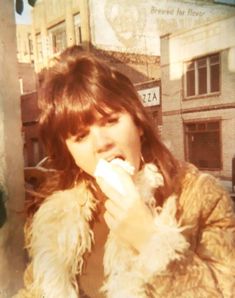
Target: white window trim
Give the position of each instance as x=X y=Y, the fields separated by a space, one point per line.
x=208 y=65
x=59 y=28
x=77 y=23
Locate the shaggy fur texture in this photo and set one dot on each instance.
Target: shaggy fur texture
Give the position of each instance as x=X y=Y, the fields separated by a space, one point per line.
x=60 y=235
x=128 y=272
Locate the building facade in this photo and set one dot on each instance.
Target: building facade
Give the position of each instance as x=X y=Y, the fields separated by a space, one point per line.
x=124 y=33
x=198 y=97
x=28 y=83
x=25 y=57
x=58 y=24
x=55 y=26
x=33 y=150
x=24 y=43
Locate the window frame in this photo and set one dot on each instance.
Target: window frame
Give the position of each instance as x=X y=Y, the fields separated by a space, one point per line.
x=196 y=67
x=77 y=28
x=186 y=141
x=39 y=47
x=54 y=31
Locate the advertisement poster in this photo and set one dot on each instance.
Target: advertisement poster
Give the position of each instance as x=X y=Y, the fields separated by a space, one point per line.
x=136 y=26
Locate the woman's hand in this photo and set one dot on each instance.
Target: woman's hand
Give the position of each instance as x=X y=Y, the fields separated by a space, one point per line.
x=127 y=216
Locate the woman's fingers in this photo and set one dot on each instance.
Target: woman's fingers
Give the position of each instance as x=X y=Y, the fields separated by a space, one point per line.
x=114 y=209
x=133 y=226
x=126 y=215
x=110 y=192
x=125 y=179
x=110 y=221
x=127 y=184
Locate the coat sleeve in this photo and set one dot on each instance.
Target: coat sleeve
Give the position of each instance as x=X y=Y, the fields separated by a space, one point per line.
x=198 y=258
x=216 y=235
x=59 y=236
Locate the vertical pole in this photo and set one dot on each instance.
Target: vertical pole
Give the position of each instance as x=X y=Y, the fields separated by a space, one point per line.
x=11 y=157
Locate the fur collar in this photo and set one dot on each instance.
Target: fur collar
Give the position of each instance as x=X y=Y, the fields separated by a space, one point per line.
x=127 y=273
x=61 y=234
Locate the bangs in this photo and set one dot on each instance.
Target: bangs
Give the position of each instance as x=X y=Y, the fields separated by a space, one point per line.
x=81 y=109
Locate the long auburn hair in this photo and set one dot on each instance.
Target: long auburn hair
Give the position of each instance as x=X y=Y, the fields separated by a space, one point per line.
x=72 y=91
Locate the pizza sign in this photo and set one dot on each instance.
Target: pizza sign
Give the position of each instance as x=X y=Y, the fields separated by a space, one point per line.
x=150 y=96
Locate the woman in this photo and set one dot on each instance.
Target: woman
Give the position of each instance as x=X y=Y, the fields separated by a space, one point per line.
x=168 y=233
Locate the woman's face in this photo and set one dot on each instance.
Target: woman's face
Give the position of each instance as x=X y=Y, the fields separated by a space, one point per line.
x=112 y=136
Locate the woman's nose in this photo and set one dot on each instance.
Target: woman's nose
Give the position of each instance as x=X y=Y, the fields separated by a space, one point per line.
x=102 y=140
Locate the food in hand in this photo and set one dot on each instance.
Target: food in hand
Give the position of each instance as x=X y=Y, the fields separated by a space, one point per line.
x=124 y=164
x=105 y=170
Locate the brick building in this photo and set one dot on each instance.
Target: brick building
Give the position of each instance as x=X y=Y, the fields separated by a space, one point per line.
x=130 y=40
x=59 y=24
x=33 y=151
x=28 y=83
x=198 y=98
x=56 y=25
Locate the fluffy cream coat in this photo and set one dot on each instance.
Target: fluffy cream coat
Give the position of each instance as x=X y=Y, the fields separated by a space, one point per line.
x=60 y=235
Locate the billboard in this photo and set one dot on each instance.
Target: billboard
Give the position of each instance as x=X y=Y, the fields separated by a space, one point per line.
x=135 y=26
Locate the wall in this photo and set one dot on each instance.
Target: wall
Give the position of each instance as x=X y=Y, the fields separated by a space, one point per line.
x=48 y=13
x=23 y=34
x=183 y=46
x=30 y=116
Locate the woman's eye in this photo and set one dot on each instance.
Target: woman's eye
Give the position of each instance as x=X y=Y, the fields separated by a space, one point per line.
x=112 y=120
x=81 y=137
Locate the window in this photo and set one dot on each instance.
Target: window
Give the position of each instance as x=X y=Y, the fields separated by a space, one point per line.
x=190 y=79
x=58 y=38
x=203 y=146
x=202 y=76
x=30 y=44
x=77 y=28
x=156 y=121
x=35 y=151
x=21 y=85
x=39 y=46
